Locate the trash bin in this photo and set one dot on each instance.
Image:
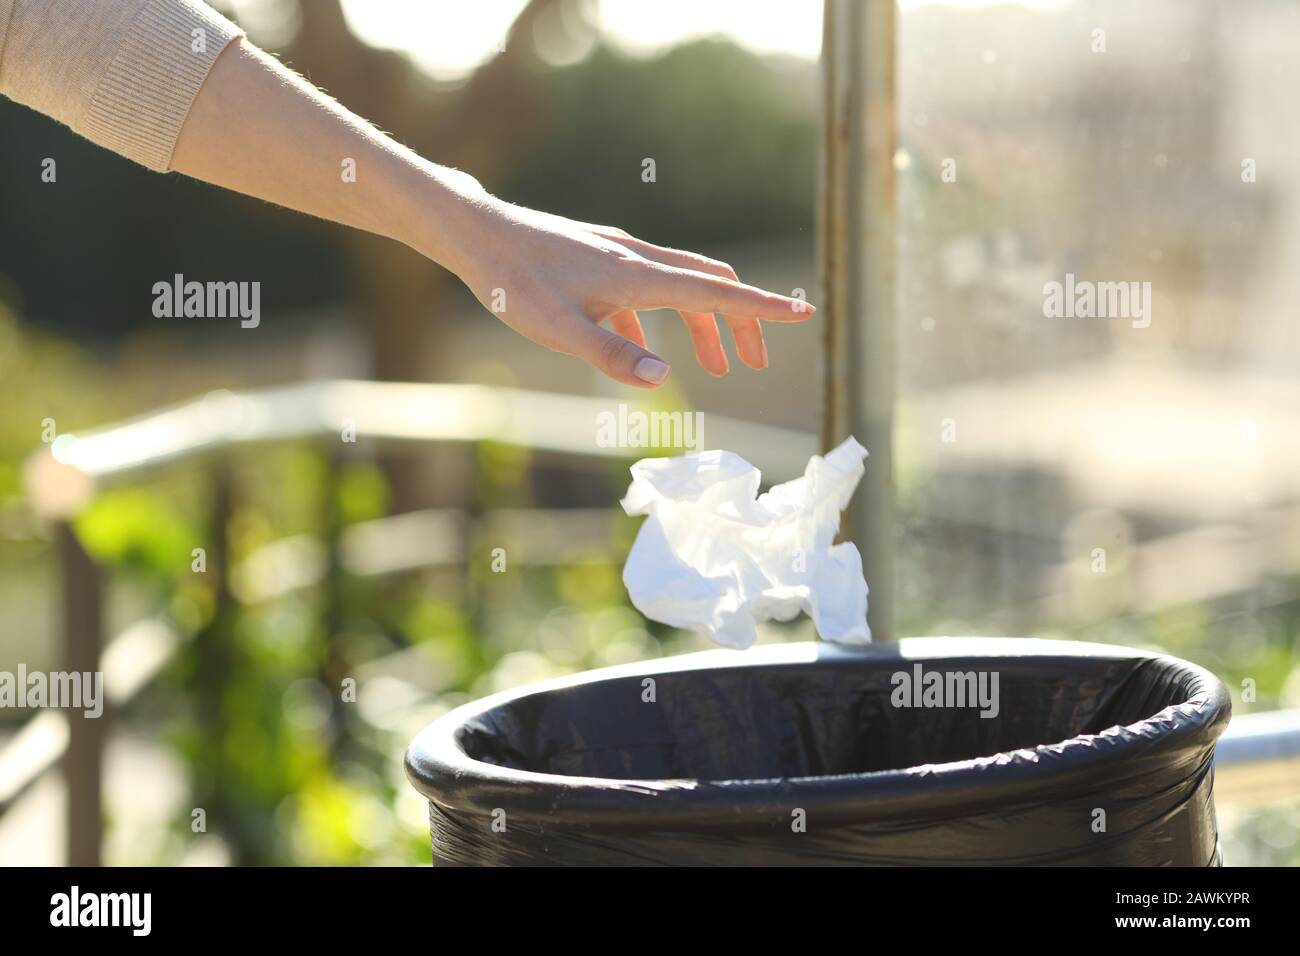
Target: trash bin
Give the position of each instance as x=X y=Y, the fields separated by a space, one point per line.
x=922 y=751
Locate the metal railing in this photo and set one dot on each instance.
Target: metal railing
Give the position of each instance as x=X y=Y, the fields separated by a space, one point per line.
x=1258 y=759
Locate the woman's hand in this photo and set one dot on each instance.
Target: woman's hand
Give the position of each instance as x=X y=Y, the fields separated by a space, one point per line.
x=554 y=281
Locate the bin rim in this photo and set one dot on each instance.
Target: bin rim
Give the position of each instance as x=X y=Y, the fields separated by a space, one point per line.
x=439 y=768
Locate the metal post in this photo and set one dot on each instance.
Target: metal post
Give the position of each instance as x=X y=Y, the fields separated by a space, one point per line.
x=856 y=262
x=83 y=759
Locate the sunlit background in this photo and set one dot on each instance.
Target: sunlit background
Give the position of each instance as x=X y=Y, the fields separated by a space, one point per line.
x=1172 y=451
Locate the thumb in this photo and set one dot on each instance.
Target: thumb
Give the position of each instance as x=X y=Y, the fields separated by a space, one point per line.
x=621 y=359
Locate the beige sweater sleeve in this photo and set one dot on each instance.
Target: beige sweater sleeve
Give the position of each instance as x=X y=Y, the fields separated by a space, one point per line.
x=122 y=73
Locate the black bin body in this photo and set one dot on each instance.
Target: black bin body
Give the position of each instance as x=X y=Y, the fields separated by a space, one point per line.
x=813 y=754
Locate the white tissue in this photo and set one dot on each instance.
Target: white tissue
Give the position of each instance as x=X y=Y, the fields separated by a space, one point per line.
x=713 y=559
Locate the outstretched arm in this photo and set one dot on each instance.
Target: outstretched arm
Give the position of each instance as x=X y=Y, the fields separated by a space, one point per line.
x=257 y=128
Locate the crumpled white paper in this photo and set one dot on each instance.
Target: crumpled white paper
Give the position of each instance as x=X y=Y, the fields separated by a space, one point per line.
x=716 y=560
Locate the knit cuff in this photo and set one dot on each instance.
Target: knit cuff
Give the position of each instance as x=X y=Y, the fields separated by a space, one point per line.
x=142 y=101
x=6 y=16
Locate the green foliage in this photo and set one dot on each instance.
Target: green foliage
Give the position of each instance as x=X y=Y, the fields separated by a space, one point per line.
x=138 y=530
x=363 y=492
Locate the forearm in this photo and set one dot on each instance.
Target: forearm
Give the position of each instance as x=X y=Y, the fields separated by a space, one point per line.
x=260 y=129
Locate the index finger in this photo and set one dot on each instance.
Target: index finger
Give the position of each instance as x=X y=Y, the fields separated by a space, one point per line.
x=672 y=287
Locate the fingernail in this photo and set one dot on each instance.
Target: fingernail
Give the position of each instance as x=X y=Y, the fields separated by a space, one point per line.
x=650 y=370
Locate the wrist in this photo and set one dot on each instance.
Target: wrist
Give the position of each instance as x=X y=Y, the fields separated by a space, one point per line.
x=445 y=214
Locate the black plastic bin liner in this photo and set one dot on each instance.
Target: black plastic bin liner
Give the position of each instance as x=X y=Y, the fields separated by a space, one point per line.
x=797 y=754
